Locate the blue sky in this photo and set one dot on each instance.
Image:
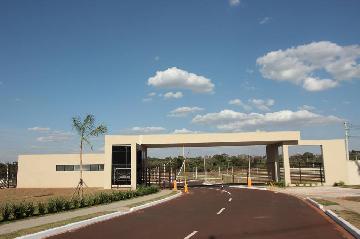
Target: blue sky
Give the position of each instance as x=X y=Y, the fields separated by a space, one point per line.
x=183 y=66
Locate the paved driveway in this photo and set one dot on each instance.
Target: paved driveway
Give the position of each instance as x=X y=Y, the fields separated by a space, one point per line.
x=214 y=213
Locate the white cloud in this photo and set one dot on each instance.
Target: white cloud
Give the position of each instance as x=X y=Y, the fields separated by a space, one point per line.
x=179 y=79
x=230 y=120
x=184 y=111
x=263 y=105
x=157 y=58
x=147 y=99
x=306 y=65
x=234 y=3
x=307 y=107
x=147 y=129
x=56 y=136
x=184 y=131
x=238 y=102
x=264 y=20
x=39 y=129
x=152 y=94
x=173 y=95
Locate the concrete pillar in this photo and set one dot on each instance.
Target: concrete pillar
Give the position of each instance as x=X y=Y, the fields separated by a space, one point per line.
x=285 y=153
x=272 y=157
x=133 y=166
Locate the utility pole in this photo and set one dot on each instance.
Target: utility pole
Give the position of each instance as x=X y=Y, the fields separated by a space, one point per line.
x=347 y=128
x=7 y=175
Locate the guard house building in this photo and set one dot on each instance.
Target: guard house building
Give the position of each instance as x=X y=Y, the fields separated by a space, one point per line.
x=125 y=157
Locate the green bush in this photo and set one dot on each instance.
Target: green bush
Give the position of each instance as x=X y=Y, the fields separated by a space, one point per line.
x=6 y=211
x=67 y=205
x=29 y=209
x=51 y=206
x=280 y=184
x=340 y=183
x=19 y=210
x=41 y=208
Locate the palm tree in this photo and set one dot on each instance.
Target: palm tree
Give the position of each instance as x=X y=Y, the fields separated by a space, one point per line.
x=86 y=129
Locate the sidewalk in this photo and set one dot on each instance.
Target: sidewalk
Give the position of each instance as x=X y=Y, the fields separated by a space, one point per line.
x=123 y=206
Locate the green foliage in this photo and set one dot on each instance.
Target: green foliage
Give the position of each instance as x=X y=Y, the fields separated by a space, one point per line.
x=67 y=205
x=280 y=184
x=6 y=211
x=28 y=209
x=339 y=184
x=19 y=210
x=51 y=206
x=41 y=208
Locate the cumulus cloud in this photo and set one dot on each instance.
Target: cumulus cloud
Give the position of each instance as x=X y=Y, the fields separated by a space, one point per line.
x=263 y=105
x=264 y=20
x=55 y=136
x=39 y=129
x=260 y=104
x=184 y=131
x=184 y=111
x=306 y=65
x=230 y=120
x=307 y=107
x=173 y=95
x=176 y=78
x=147 y=129
x=234 y=3
x=239 y=102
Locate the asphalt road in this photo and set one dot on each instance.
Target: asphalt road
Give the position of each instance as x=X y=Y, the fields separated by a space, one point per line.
x=213 y=213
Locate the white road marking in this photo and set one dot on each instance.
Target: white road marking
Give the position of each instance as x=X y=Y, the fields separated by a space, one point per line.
x=191 y=234
x=221 y=210
x=230 y=199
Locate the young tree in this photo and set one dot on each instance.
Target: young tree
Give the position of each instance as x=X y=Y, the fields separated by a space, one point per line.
x=86 y=129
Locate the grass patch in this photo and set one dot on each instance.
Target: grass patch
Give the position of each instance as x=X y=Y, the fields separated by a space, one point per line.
x=351 y=186
x=354 y=199
x=151 y=200
x=51 y=225
x=350 y=216
x=325 y=202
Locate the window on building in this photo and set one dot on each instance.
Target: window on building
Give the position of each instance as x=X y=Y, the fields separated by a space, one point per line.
x=76 y=167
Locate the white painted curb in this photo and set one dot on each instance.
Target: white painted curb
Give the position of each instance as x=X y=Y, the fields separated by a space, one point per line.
x=316 y=204
x=246 y=187
x=345 y=224
x=77 y=225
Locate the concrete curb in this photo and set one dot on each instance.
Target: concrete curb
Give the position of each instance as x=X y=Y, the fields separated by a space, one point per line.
x=345 y=224
x=339 y=220
x=316 y=204
x=80 y=224
x=246 y=187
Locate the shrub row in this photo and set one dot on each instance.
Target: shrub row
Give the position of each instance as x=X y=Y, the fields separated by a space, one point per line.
x=13 y=211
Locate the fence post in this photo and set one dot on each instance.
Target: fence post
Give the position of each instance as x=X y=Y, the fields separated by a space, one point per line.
x=170 y=178
x=300 y=171
x=321 y=173
x=159 y=176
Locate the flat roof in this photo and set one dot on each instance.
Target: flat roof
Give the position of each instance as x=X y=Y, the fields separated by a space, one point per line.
x=207 y=139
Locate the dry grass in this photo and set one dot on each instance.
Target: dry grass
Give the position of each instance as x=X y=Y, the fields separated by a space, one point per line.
x=325 y=202
x=9 y=195
x=350 y=216
x=355 y=198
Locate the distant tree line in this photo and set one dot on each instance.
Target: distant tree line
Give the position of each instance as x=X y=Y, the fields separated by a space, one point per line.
x=225 y=161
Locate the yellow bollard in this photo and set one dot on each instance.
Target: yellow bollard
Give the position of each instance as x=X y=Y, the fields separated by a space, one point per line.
x=186 y=190
x=175 y=185
x=249 y=182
